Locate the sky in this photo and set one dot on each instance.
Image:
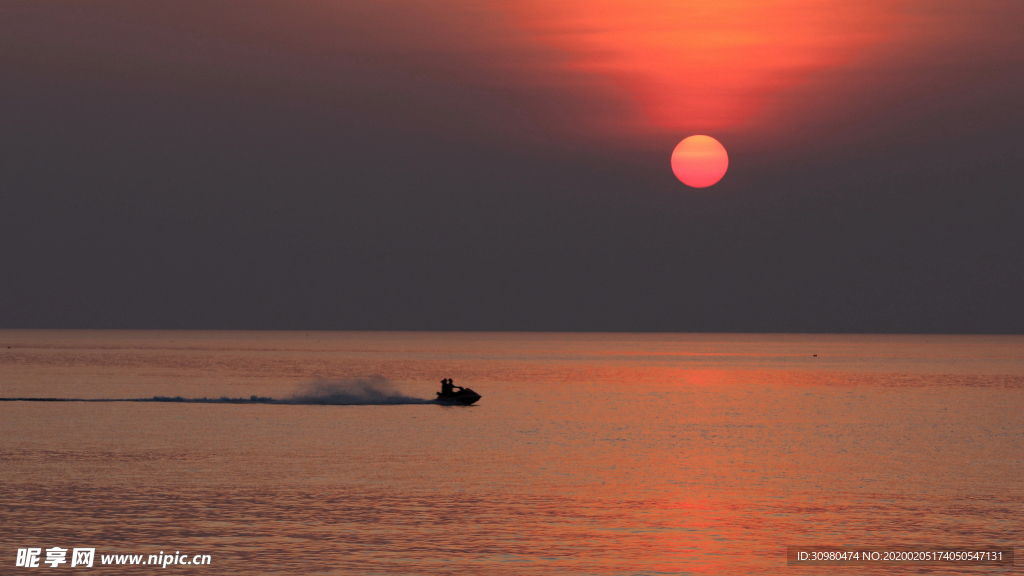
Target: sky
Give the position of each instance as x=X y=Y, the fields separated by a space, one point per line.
x=504 y=165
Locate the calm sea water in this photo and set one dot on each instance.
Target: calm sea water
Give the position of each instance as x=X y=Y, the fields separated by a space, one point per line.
x=588 y=454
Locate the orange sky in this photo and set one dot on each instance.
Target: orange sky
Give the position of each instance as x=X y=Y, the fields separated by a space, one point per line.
x=706 y=66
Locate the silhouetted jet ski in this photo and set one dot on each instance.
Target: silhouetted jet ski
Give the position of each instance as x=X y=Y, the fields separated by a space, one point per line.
x=464 y=396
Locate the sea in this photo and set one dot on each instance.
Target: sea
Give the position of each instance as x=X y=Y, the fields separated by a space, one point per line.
x=588 y=453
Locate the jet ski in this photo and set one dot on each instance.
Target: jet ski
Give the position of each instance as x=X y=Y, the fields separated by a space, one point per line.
x=463 y=396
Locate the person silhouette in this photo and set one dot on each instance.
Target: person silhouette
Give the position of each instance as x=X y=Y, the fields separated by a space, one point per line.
x=446 y=387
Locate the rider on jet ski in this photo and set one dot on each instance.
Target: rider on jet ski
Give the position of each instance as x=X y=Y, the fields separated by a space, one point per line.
x=449 y=396
x=447 y=387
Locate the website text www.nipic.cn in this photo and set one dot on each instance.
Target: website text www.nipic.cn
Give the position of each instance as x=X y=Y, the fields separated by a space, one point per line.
x=86 y=558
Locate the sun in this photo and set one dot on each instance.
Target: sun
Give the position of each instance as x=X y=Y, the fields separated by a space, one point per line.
x=699 y=161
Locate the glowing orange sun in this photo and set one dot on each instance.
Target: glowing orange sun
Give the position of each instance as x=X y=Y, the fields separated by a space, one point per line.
x=699 y=161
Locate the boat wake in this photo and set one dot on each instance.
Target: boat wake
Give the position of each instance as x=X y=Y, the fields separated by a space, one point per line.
x=373 y=391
